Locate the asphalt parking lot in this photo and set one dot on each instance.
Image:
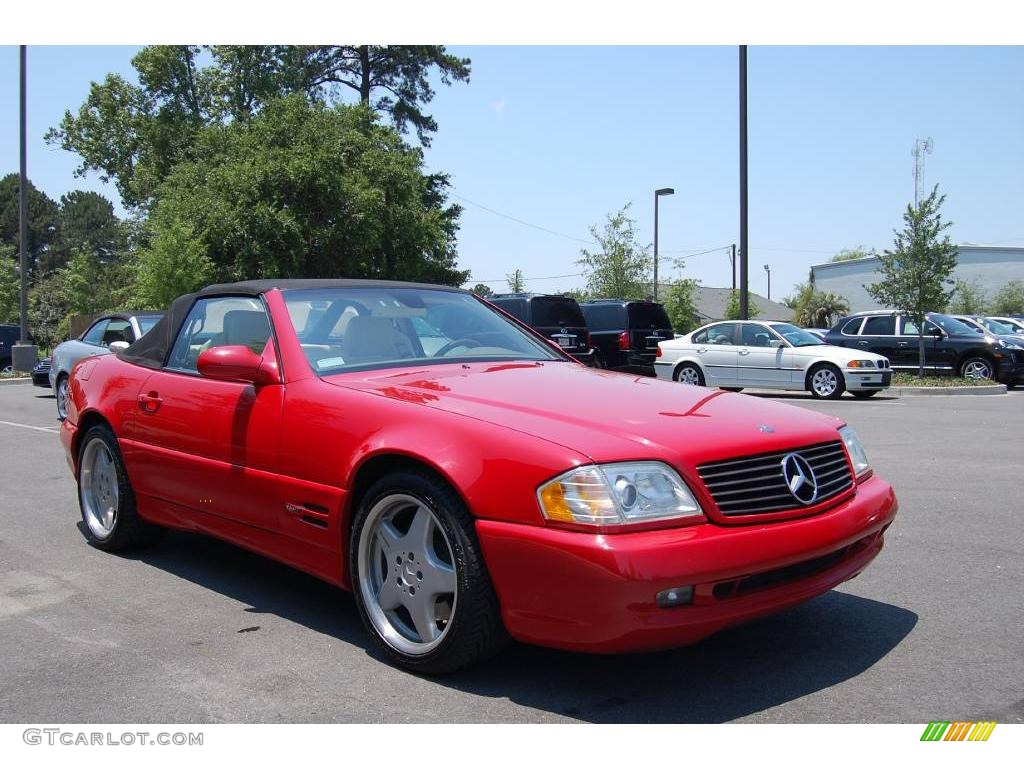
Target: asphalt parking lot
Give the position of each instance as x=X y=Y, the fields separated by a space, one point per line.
x=196 y=630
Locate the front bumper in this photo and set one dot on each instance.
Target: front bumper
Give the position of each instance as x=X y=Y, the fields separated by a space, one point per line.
x=870 y=378
x=596 y=593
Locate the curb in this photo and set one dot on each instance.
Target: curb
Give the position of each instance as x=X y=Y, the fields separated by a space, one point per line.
x=16 y=380
x=985 y=389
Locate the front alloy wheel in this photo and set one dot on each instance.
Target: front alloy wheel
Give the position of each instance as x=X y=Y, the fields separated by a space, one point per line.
x=826 y=382
x=976 y=368
x=419 y=577
x=62 y=398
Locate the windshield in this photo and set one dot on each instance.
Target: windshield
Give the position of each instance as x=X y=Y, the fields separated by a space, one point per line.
x=798 y=337
x=146 y=322
x=997 y=327
x=343 y=329
x=648 y=315
x=951 y=325
x=555 y=310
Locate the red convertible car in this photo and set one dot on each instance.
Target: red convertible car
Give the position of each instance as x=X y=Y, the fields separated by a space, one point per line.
x=466 y=479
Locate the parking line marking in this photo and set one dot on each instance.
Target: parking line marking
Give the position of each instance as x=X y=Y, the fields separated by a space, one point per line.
x=51 y=430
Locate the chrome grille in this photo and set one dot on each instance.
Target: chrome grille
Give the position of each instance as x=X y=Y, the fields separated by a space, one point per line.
x=755 y=484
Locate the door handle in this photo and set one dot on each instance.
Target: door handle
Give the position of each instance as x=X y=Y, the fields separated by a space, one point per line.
x=150 y=402
x=862 y=343
x=902 y=343
x=744 y=351
x=702 y=350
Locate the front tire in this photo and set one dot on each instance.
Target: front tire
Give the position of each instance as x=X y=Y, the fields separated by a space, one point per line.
x=61 y=391
x=419 y=577
x=977 y=367
x=106 y=498
x=688 y=373
x=825 y=382
x=864 y=394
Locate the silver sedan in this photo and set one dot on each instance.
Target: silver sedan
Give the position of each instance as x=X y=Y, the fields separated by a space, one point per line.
x=106 y=334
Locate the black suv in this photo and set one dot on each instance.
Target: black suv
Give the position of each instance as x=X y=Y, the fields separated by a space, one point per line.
x=557 y=317
x=9 y=335
x=949 y=345
x=626 y=333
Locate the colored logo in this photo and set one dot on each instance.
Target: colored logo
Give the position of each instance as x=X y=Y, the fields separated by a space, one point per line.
x=943 y=730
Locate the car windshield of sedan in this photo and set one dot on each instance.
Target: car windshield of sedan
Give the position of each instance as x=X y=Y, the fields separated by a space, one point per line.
x=343 y=329
x=798 y=337
x=951 y=325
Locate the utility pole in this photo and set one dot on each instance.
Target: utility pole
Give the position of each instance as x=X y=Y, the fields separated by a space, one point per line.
x=744 y=245
x=922 y=147
x=658 y=194
x=732 y=263
x=23 y=354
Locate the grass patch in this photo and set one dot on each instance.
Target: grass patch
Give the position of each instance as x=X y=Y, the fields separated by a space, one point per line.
x=900 y=379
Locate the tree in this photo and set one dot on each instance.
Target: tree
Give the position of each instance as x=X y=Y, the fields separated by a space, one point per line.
x=1009 y=300
x=300 y=190
x=10 y=286
x=732 y=307
x=43 y=216
x=915 y=272
x=621 y=268
x=849 y=254
x=48 y=312
x=134 y=135
x=815 y=309
x=968 y=298
x=680 y=305
x=516 y=282
x=482 y=290
x=88 y=223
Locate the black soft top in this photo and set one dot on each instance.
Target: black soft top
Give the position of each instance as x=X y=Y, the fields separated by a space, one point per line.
x=151 y=350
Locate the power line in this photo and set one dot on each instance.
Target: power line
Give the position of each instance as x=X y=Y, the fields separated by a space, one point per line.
x=524 y=223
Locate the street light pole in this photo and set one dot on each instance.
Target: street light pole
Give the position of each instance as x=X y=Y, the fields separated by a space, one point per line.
x=768 y=269
x=744 y=245
x=23 y=354
x=658 y=193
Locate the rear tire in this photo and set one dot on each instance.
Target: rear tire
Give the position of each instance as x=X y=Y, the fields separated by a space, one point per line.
x=106 y=498
x=732 y=389
x=61 y=391
x=689 y=373
x=864 y=394
x=426 y=600
x=825 y=382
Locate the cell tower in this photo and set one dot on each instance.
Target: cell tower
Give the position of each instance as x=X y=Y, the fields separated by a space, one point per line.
x=922 y=147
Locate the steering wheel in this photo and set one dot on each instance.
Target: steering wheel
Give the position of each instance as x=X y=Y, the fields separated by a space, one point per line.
x=470 y=343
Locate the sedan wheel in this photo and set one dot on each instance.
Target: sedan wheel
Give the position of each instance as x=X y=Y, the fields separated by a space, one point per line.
x=689 y=373
x=419 y=577
x=62 y=398
x=826 y=382
x=976 y=368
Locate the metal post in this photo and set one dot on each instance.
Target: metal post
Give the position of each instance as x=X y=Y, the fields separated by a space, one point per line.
x=23 y=354
x=744 y=244
x=655 y=291
x=732 y=263
x=768 y=269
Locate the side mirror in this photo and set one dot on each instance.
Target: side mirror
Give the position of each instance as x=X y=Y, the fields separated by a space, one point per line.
x=117 y=346
x=236 y=363
x=937 y=333
x=775 y=343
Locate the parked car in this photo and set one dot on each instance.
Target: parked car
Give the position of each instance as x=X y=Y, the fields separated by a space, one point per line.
x=1016 y=324
x=984 y=325
x=108 y=333
x=41 y=373
x=557 y=317
x=491 y=489
x=626 y=333
x=818 y=333
x=9 y=335
x=770 y=355
x=950 y=346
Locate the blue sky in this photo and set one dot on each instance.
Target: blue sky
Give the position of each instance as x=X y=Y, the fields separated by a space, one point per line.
x=561 y=136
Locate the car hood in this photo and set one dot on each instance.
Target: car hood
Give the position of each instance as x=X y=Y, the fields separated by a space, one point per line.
x=837 y=354
x=603 y=415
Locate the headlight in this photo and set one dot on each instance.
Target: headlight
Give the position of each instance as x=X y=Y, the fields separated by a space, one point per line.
x=861 y=364
x=858 y=455
x=617 y=494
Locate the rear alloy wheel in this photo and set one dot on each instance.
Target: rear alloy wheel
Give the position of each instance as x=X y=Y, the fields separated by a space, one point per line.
x=825 y=382
x=977 y=368
x=688 y=373
x=419 y=577
x=106 y=496
x=62 y=397
x=733 y=389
